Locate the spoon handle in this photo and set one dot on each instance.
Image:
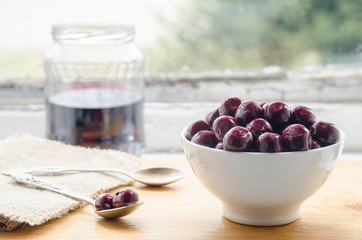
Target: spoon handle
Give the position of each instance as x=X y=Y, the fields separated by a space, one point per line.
x=63 y=170
x=36 y=182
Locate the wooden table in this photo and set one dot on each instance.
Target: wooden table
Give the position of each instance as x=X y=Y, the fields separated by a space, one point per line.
x=185 y=210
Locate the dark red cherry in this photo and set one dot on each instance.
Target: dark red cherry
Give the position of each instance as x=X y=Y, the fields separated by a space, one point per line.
x=222 y=125
x=247 y=111
x=325 y=133
x=302 y=115
x=104 y=201
x=124 y=197
x=263 y=109
x=269 y=142
x=220 y=146
x=259 y=126
x=211 y=116
x=238 y=139
x=229 y=106
x=296 y=137
x=281 y=130
x=277 y=114
x=195 y=127
x=262 y=104
x=315 y=145
x=205 y=137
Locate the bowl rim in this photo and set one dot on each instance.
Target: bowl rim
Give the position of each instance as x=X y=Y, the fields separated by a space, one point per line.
x=341 y=140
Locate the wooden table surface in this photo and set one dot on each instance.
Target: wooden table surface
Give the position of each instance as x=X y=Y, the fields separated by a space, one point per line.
x=185 y=210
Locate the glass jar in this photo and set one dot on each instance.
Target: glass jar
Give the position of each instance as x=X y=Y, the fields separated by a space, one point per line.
x=94 y=87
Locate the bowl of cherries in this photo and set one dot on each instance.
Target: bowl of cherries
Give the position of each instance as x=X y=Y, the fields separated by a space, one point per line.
x=262 y=160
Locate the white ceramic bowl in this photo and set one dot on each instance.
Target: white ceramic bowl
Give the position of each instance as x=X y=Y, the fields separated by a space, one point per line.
x=262 y=189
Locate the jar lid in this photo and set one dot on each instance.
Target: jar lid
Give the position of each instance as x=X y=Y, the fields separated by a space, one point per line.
x=92 y=33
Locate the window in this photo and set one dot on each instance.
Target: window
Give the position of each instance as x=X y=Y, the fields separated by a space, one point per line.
x=199 y=53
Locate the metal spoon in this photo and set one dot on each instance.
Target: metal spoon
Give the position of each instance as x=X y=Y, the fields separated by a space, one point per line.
x=148 y=176
x=33 y=181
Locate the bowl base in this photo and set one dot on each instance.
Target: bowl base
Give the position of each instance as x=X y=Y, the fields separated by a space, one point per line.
x=274 y=217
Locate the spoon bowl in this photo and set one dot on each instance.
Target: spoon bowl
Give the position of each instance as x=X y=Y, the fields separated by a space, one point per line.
x=158 y=176
x=119 y=212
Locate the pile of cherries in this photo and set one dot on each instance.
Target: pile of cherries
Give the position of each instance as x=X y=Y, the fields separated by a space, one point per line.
x=248 y=126
x=119 y=199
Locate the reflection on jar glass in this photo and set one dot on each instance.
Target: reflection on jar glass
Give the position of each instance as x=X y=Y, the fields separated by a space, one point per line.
x=94 y=88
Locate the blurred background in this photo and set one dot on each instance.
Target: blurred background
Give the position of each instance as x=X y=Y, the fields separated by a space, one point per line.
x=199 y=53
x=194 y=35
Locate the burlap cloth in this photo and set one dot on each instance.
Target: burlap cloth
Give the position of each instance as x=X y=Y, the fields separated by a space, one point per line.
x=21 y=205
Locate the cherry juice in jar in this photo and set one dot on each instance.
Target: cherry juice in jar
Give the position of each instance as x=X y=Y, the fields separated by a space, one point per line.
x=94 y=87
x=97 y=116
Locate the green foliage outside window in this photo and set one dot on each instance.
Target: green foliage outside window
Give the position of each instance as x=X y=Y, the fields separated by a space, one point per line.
x=239 y=34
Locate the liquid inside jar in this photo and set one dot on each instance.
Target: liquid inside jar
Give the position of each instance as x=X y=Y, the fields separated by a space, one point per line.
x=97 y=116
